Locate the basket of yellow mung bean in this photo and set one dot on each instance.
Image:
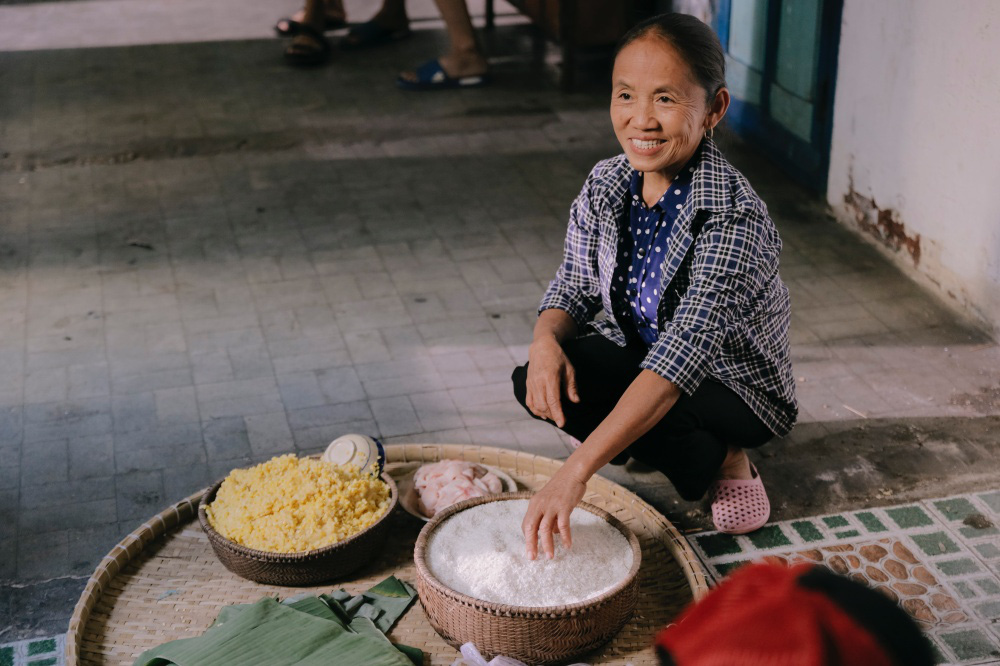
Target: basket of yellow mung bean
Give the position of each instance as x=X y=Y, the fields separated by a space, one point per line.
x=297 y=521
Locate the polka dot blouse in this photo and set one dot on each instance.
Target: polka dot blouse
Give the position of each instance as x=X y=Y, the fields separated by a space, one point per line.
x=641 y=250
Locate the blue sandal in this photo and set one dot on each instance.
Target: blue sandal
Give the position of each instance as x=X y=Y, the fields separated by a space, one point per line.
x=431 y=76
x=368 y=34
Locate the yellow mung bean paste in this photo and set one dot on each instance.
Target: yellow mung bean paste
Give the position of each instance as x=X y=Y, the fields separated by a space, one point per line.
x=290 y=505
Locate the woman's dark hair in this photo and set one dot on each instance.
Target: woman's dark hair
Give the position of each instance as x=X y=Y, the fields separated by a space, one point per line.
x=696 y=42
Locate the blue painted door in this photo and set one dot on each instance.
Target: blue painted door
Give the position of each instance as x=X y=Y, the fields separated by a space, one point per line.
x=781 y=60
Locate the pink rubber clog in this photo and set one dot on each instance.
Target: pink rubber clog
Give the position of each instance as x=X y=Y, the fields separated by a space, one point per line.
x=740 y=506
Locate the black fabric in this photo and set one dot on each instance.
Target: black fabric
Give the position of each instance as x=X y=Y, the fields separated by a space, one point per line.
x=898 y=635
x=664 y=656
x=688 y=444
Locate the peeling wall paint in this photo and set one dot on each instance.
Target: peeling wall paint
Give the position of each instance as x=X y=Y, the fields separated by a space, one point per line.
x=914 y=154
x=882 y=224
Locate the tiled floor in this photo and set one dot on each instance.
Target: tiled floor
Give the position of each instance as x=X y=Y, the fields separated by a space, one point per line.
x=939 y=559
x=207 y=258
x=35 y=652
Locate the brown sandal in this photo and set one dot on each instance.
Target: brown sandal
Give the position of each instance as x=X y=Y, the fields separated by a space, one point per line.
x=302 y=55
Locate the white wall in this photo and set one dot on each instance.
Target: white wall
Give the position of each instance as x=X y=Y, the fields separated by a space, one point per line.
x=916 y=135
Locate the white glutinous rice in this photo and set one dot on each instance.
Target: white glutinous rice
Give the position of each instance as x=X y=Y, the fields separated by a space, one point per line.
x=480 y=552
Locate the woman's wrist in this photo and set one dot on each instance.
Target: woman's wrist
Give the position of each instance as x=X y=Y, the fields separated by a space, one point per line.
x=543 y=343
x=582 y=464
x=544 y=338
x=553 y=325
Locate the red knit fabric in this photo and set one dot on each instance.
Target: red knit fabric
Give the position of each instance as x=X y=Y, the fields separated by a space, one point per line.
x=760 y=616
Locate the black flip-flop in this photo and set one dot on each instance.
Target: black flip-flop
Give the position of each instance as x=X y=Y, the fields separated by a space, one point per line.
x=368 y=34
x=291 y=26
x=311 y=57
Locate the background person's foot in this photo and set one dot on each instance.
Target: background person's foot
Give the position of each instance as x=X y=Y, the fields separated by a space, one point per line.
x=464 y=64
x=431 y=76
x=308 y=47
x=456 y=67
x=333 y=20
x=380 y=29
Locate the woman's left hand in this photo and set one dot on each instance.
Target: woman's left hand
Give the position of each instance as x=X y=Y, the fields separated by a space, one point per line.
x=548 y=513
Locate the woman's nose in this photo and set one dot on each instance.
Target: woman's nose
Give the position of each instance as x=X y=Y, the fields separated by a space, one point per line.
x=643 y=118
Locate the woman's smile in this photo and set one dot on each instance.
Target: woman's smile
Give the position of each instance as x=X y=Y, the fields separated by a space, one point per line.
x=647 y=146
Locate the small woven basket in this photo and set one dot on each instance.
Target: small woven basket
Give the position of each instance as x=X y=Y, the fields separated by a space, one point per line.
x=536 y=635
x=306 y=568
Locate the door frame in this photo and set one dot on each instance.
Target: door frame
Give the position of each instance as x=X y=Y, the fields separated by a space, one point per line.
x=808 y=162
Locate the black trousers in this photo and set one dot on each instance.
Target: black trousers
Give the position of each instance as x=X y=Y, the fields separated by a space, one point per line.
x=688 y=444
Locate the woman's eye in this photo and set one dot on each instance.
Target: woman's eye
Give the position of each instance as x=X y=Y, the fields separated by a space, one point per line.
x=624 y=96
x=663 y=98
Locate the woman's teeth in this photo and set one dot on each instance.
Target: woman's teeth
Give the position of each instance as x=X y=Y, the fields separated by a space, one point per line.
x=646 y=145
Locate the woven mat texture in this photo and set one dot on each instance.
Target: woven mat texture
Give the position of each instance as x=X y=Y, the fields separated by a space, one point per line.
x=163 y=582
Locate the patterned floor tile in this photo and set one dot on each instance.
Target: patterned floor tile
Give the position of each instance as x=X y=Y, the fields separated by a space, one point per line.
x=34 y=652
x=939 y=559
x=888 y=566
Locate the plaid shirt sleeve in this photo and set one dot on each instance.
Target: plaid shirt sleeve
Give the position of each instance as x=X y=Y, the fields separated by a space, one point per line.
x=576 y=287
x=730 y=257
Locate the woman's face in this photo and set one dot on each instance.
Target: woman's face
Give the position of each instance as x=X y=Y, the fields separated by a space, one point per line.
x=658 y=109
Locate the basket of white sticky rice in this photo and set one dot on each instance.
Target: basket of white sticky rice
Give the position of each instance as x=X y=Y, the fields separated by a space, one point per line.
x=477 y=585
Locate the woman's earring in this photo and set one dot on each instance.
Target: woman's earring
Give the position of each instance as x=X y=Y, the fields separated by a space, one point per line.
x=710 y=133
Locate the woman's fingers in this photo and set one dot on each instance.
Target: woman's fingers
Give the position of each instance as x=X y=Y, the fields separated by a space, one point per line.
x=537 y=527
x=536 y=400
x=545 y=536
x=553 y=405
x=547 y=526
x=549 y=512
x=542 y=398
x=564 y=531
x=571 y=390
x=529 y=398
x=529 y=527
x=549 y=373
x=531 y=393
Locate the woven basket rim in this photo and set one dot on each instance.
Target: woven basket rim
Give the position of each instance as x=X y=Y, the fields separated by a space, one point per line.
x=185 y=511
x=420 y=549
x=289 y=558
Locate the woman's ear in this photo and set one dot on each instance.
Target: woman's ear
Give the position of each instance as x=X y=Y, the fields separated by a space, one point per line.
x=717 y=109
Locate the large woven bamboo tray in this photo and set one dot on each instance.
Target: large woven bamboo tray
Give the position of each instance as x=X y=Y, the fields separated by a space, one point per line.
x=163 y=582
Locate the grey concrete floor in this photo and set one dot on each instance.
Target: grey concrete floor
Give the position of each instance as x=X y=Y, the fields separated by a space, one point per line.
x=208 y=258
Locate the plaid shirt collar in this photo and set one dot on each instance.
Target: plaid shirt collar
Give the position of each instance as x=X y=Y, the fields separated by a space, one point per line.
x=709 y=190
x=681 y=180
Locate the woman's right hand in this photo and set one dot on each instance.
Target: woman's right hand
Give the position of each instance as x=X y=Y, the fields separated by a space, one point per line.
x=549 y=370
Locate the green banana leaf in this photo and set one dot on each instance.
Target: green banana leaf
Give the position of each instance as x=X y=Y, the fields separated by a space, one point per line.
x=307 y=630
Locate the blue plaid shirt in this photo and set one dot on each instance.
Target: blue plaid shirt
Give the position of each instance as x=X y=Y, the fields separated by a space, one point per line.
x=723 y=311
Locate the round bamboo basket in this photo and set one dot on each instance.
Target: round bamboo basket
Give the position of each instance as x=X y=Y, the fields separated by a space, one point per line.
x=163 y=581
x=535 y=635
x=312 y=567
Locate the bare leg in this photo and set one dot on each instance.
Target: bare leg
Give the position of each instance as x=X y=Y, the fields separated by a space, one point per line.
x=331 y=10
x=464 y=57
x=314 y=15
x=392 y=15
x=736 y=465
x=391 y=18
